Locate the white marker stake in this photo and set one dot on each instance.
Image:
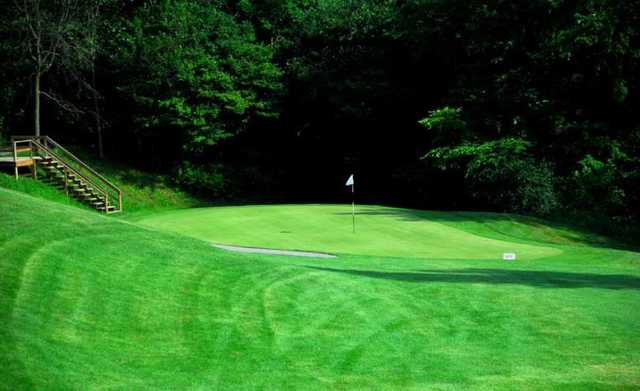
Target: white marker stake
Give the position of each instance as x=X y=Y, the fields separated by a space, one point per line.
x=509 y=256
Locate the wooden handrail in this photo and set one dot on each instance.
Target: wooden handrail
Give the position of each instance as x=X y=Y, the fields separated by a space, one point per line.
x=14 y=144
x=83 y=164
x=61 y=161
x=15 y=148
x=46 y=143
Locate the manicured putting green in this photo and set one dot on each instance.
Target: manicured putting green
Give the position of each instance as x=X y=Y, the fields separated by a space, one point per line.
x=379 y=231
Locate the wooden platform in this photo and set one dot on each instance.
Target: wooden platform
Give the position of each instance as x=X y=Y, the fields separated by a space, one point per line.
x=26 y=161
x=21 y=162
x=62 y=170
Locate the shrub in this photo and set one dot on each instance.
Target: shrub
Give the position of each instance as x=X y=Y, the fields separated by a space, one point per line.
x=446 y=124
x=203 y=179
x=502 y=174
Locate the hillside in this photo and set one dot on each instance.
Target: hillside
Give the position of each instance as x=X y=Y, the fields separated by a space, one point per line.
x=143 y=193
x=90 y=301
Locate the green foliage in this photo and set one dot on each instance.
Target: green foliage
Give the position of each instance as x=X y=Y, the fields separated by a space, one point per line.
x=205 y=179
x=194 y=68
x=603 y=185
x=342 y=83
x=447 y=125
x=502 y=174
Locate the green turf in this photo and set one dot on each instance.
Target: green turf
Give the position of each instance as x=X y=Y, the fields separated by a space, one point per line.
x=379 y=231
x=91 y=302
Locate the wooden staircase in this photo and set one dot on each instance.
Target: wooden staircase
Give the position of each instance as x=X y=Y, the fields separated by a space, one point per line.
x=66 y=172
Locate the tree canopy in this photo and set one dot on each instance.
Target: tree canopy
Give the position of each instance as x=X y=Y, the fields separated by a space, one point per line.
x=524 y=106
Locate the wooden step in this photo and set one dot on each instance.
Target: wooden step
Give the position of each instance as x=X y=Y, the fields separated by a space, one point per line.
x=51 y=163
x=91 y=197
x=51 y=168
x=78 y=185
x=81 y=193
x=95 y=197
x=57 y=173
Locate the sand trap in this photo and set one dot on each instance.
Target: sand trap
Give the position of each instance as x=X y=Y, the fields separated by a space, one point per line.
x=268 y=251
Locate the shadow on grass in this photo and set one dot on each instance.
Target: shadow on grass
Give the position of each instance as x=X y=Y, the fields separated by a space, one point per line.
x=538 y=279
x=121 y=172
x=561 y=233
x=141 y=180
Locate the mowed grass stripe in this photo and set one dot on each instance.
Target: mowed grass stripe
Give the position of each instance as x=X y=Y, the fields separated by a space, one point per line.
x=92 y=302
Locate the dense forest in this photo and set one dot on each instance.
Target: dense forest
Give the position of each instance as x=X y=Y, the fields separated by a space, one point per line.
x=524 y=106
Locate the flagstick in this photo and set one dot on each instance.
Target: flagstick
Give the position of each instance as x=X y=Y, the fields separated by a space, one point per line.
x=353 y=207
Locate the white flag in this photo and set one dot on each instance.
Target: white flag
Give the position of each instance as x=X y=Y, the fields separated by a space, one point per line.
x=349 y=181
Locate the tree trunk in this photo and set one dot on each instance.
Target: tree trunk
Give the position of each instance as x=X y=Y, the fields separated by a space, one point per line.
x=96 y=108
x=99 y=130
x=36 y=113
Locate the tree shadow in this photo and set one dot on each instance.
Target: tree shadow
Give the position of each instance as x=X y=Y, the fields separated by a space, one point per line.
x=121 y=172
x=140 y=179
x=537 y=279
x=564 y=233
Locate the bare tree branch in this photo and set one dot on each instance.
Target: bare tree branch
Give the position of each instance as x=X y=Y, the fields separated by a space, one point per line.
x=62 y=103
x=60 y=34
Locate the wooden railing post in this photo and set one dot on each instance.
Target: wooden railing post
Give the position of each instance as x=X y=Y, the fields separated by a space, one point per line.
x=66 y=180
x=34 y=167
x=69 y=164
x=15 y=157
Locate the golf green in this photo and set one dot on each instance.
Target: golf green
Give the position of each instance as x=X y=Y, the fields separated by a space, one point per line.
x=380 y=231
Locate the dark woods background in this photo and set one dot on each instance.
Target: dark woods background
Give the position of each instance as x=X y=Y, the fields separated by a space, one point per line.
x=522 y=106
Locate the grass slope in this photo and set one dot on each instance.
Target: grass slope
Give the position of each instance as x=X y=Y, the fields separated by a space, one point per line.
x=37 y=189
x=380 y=231
x=90 y=302
x=143 y=193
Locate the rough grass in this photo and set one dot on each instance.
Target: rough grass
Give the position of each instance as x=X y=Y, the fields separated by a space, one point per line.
x=91 y=302
x=143 y=193
x=36 y=188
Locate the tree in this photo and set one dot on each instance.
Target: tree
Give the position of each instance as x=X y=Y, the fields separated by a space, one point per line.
x=193 y=70
x=53 y=33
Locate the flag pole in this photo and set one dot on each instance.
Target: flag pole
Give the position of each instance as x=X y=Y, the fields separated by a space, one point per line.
x=353 y=206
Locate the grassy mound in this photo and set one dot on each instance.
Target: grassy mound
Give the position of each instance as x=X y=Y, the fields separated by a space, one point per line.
x=92 y=302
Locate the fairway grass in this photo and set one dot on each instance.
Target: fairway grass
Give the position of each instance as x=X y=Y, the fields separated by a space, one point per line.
x=92 y=302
